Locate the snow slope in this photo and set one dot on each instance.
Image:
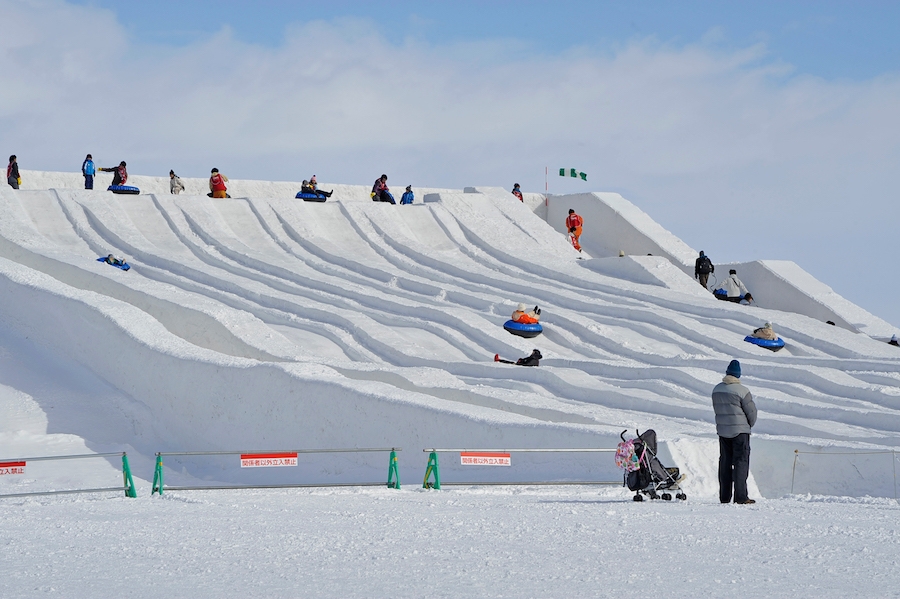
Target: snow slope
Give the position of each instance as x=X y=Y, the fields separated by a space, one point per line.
x=262 y=322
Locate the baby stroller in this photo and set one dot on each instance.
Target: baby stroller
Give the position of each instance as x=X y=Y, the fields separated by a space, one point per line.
x=644 y=473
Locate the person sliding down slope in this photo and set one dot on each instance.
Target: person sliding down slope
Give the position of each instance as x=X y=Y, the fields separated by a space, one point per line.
x=765 y=332
x=307 y=187
x=523 y=317
x=314 y=186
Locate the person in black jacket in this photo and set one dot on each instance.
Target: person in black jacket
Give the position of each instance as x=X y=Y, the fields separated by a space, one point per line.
x=702 y=267
x=120 y=173
x=12 y=173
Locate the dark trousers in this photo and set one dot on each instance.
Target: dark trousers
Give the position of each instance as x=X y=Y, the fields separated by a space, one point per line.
x=89 y=181
x=13 y=182
x=704 y=278
x=734 y=467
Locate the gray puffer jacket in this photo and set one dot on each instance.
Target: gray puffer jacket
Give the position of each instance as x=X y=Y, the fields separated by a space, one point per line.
x=735 y=410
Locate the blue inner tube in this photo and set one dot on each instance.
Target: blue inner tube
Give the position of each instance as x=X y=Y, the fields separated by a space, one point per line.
x=523 y=330
x=123 y=189
x=310 y=197
x=766 y=343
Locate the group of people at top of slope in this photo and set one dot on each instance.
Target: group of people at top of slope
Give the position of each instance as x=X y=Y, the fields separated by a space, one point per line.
x=382 y=193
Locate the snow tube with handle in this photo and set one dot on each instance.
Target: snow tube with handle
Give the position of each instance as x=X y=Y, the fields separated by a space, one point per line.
x=766 y=343
x=523 y=330
x=123 y=189
x=122 y=266
x=310 y=197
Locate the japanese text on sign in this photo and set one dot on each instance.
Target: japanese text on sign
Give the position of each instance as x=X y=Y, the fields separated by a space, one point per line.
x=12 y=468
x=470 y=458
x=268 y=460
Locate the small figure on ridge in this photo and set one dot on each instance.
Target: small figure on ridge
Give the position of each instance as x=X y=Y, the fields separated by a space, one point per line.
x=175 y=184
x=87 y=170
x=518 y=192
x=408 y=196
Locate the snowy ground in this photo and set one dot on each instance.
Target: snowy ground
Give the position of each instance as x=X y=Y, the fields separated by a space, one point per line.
x=465 y=542
x=266 y=323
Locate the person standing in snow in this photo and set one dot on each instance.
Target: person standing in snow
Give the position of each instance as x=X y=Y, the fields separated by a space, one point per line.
x=217 y=185
x=175 y=184
x=88 y=170
x=408 y=196
x=894 y=341
x=12 y=173
x=732 y=289
x=518 y=192
x=120 y=173
x=381 y=192
x=573 y=226
x=735 y=416
x=702 y=267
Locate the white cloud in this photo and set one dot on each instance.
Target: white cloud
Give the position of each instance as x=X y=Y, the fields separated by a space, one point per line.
x=729 y=149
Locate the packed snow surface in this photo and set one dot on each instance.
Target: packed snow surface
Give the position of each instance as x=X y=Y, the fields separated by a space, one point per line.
x=264 y=323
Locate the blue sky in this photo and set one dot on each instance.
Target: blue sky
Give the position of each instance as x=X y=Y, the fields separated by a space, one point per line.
x=827 y=38
x=764 y=130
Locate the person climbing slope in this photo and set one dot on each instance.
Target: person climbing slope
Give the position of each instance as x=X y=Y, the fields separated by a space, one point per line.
x=574 y=223
x=517 y=191
x=702 y=268
x=732 y=289
x=12 y=173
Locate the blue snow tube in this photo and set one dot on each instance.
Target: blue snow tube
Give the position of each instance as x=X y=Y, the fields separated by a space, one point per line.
x=523 y=330
x=766 y=343
x=310 y=197
x=123 y=189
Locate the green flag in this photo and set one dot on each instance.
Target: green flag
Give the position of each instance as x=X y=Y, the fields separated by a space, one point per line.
x=562 y=172
x=573 y=173
x=583 y=176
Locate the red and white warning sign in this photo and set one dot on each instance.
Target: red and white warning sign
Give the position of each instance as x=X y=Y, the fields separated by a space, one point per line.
x=268 y=460
x=483 y=458
x=12 y=468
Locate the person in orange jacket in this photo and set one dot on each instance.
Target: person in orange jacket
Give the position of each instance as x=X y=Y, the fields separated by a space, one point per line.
x=573 y=226
x=217 y=184
x=523 y=317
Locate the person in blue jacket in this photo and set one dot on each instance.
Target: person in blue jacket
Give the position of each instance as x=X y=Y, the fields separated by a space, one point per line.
x=408 y=196
x=88 y=170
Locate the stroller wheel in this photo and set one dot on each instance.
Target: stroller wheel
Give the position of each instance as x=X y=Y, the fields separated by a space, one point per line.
x=653 y=495
x=638 y=497
x=681 y=496
x=667 y=496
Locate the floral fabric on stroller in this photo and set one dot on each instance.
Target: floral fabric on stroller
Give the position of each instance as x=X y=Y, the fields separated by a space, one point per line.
x=644 y=473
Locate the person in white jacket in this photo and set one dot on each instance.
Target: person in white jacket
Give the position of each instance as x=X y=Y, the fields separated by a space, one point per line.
x=175 y=184
x=731 y=289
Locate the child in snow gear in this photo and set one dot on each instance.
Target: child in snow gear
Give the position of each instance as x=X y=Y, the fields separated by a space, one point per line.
x=533 y=360
x=517 y=192
x=120 y=174
x=530 y=317
x=381 y=192
x=408 y=196
x=175 y=184
x=765 y=332
x=12 y=173
x=702 y=267
x=573 y=226
x=894 y=341
x=735 y=416
x=88 y=170
x=314 y=188
x=307 y=187
x=217 y=186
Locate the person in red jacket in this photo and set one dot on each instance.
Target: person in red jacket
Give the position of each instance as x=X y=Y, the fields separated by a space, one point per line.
x=217 y=184
x=517 y=191
x=573 y=226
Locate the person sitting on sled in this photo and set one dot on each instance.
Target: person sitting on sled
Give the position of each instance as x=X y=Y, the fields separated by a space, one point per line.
x=517 y=192
x=530 y=317
x=765 y=332
x=307 y=187
x=115 y=260
x=381 y=192
x=732 y=289
x=533 y=360
x=314 y=186
x=573 y=226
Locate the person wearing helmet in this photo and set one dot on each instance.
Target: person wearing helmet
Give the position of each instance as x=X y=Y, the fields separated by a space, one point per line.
x=530 y=317
x=573 y=226
x=217 y=186
x=120 y=173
